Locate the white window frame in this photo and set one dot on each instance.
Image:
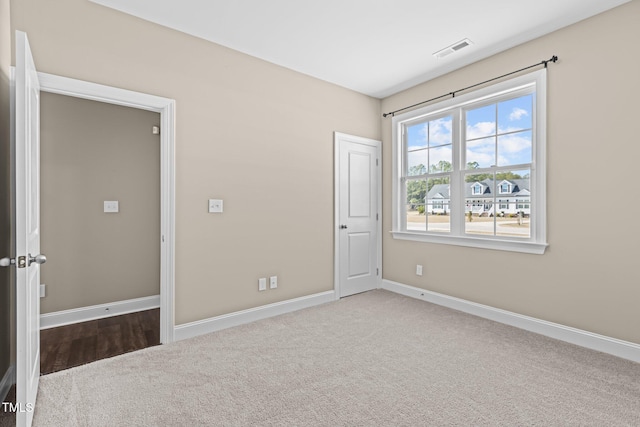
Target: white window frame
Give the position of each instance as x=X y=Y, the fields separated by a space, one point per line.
x=537 y=242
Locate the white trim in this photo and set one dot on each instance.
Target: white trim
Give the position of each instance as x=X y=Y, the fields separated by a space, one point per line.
x=213 y=324
x=166 y=108
x=101 y=93
x=473 y=242
x=7 y=381
x=100 y=311
x=613 y=346
x=338 y=137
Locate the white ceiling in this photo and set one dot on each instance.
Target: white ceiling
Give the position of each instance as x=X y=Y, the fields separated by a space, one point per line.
x=371 y=46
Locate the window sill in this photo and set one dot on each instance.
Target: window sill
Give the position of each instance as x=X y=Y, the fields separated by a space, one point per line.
x=472 y=242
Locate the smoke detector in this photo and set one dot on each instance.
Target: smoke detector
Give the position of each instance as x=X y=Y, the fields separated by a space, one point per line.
x=453 y=48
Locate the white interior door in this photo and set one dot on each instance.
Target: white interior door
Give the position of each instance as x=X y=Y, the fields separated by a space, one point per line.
x=27 y=219
x=357 y=214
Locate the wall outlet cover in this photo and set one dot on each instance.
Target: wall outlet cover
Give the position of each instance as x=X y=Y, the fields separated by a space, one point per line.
x=111 y=206
x=216 y=206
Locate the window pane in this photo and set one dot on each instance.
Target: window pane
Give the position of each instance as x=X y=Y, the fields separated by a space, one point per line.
x=513 y=222
x=440 y=132
x=438 y=205
x=481 y=122
x=440 y=159
x=416 y=191
x=482 y=152
x=478 y=209
x=416 y=221
x=416 y=161
x=514 y=149
x=513 y=217
x=515 y=114
x=502 y=207
x=417 y=136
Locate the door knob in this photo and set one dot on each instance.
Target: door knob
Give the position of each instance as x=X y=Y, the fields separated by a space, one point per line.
x=343 y=226
x=38 y=259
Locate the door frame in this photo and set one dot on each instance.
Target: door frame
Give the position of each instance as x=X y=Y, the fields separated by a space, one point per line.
x=339 y=138
x=166 y=107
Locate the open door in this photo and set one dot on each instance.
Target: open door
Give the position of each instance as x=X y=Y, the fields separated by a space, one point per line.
x=27 y=223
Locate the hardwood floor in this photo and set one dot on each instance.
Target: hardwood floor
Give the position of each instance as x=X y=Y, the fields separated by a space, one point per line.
x=74 y=345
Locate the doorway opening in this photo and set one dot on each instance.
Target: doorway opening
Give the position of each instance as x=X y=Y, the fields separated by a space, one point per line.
x=166 y=233
x=100 y=229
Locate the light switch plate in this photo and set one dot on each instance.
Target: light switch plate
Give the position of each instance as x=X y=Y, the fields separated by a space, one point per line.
x=111 y=206
x=273 y=282
x=215 y=206
x=262 y=284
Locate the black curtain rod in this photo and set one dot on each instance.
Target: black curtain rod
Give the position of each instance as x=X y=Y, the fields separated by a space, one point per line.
x=554 y=58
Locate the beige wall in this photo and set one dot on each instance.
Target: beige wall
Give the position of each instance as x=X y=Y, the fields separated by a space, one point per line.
x=256 y=135
x=92 y=152
x=589 y=276
x=6 y=282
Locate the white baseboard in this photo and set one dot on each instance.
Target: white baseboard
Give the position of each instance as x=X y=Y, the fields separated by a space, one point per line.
x=616 y=347
x=7 y=381
x=213 y=324
x=84 y=314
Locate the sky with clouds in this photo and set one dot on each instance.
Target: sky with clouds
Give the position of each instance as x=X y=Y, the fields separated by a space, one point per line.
x=496 y=134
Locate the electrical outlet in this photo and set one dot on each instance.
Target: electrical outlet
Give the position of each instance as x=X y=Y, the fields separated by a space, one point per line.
x=418 y=270
x=262 y=284
x=216 y=206
x=273 y=282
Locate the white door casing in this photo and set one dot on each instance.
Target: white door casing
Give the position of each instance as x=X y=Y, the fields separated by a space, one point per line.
x=357 y=214
x=166 y=108
x=27 y=228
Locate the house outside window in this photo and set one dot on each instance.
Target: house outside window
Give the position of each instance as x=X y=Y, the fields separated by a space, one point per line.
x=462 y=168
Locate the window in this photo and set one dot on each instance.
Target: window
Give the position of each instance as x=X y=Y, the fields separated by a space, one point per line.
x=523 y=204
x=505 y=188
x=454 y=159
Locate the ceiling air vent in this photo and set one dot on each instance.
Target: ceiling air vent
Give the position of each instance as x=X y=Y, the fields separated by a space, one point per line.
x=453 y=48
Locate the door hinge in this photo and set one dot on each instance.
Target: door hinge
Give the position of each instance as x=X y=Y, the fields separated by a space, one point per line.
x=376 y=217
x=377 y=162
x=377 y=271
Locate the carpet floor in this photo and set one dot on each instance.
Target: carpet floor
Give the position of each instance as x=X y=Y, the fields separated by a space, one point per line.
x=374 y=359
